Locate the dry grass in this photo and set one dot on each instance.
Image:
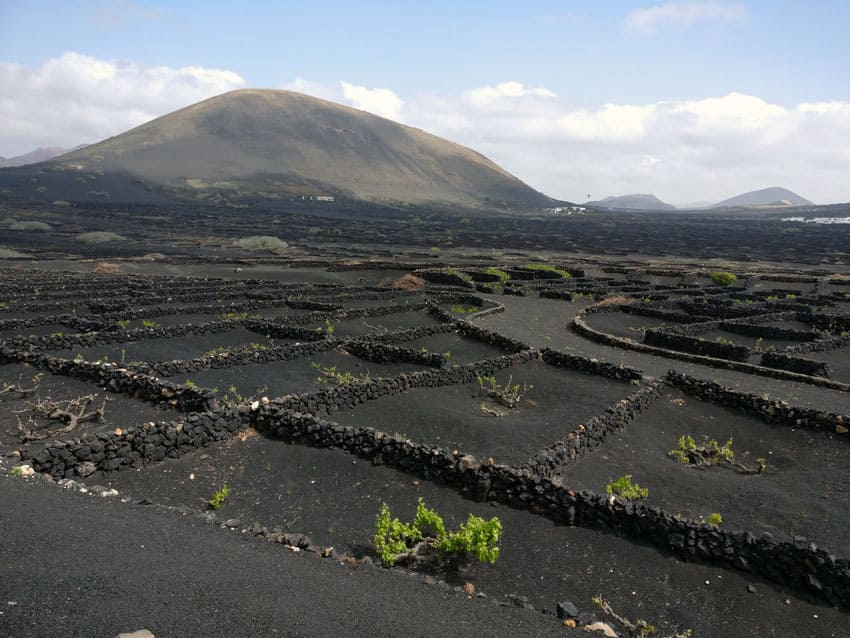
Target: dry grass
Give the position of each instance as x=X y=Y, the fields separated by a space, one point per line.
x=407 y=282
x=619 y=300
x=154 y=257
x=106 y=267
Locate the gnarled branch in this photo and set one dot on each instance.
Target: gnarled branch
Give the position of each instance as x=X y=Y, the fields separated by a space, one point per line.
x=69 y=414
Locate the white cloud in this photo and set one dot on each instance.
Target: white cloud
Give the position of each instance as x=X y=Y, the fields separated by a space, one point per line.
x=611 y=122
x=75 y=98
x=488 y=95
x=682 y=151
x=381 y=102
x=682 y=14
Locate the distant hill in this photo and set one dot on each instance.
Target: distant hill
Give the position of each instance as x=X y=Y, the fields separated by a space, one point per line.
x=632 y=202
x=38 y=155
x=773 y=196
x=255 y=146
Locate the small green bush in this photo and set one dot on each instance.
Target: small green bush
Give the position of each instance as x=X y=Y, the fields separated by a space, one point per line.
x=463 y=310
x=464 y=279
x=723 y=278
x=395 y=540
x=714 y=519
x=712 y=453
x=508 y=395
x=624 y=488
x=548 y=268
x=503 y=276
x=99 y=237
x=219 y=497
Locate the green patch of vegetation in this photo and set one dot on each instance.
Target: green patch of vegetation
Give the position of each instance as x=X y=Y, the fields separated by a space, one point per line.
x=624 y=488
x=462 y=310
x=123 y=323
x=218 y=499
x=238 y=316
x=712 y=453
x=723 y=340
x=578 y=296
x=190 y=384
x=99 y=237
x=261 y=242
x=233 y=397
x=18 y=471
x=150 y=324
x=328 y=374
x=713 y=519
x=460 y=275
x=503 y=276
x=548 y=268
x=328 y=328
x=508 y=395
x=723 y=278
x=395 y=540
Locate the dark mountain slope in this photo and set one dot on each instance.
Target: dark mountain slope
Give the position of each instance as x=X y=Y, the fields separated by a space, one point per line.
x=252 y=145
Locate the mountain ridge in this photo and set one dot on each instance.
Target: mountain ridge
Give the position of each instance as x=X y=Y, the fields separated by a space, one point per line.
x=771 y=196
x=635 y=201
x=259 y=144
x=41 y=154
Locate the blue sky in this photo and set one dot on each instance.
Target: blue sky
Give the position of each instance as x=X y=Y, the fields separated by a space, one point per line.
x=661 y=66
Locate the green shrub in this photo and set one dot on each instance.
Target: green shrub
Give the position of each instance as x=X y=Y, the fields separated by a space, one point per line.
x=328 y=328
x=508 y=395
x=723 y=278
x=714 y=519
x=548 y=268
x=330 y=373
x=624 y=488
x=395 y=540
x=462 y=310
x=503 y=276
x=219 y=497
x=712 y=453
x=463 y=278
x=261 y=242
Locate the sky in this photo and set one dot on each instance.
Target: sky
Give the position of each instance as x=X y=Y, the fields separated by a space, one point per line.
x=693 y=101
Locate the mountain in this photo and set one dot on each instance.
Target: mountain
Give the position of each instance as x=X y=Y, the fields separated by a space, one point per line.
x=36 y=156
x=251 y=146
x=632 y=202
x=773 y=196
